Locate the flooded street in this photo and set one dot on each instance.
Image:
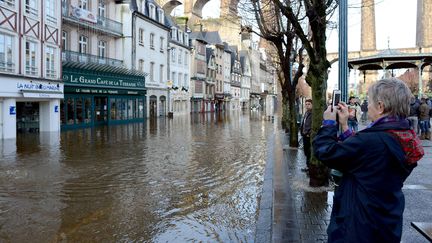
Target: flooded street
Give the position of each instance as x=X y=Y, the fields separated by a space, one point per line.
x=192 y=178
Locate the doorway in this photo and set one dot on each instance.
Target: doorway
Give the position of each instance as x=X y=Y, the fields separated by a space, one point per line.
x=153 y=106
x=101 y=110
x=27 y=117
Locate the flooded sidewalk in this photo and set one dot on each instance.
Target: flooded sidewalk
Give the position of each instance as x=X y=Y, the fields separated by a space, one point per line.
x=296 y=212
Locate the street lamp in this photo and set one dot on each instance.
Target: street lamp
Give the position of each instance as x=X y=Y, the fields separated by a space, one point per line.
x=343 y=49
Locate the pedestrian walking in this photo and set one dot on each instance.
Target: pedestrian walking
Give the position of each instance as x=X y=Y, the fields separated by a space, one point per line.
x=305 y=130
x=354 y=113
x=424 y=118
x=368 y=204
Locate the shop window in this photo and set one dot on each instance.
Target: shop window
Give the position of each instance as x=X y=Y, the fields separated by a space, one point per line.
x=123 y=111
x=113 y=109
x=87 y=110
x=62 y=112
x=70 y=111
x=130 y=109
x=79 y=110
x=141 y=108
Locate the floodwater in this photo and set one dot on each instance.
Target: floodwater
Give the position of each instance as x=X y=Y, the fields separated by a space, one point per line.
x=192 y=178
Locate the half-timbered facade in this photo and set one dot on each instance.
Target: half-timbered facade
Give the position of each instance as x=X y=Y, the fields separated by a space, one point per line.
x=30 y=66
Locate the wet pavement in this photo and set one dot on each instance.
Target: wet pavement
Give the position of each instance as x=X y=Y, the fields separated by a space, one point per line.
x=192 y=178
x=296 y=212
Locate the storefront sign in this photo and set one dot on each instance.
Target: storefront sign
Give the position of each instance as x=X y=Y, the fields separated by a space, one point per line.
x=12 y=110
x=87 y=80
x=103 y=91
x=43 y=95
x=30 y=86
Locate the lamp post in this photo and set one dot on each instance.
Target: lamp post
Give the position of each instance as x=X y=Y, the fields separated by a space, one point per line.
x=343 y=49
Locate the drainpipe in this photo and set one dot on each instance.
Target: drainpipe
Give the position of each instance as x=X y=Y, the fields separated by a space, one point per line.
x=133 y=8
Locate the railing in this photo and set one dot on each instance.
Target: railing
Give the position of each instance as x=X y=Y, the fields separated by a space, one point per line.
x=103 y=23
x=50 y=73
x=72 y=56
x=235 y=83
x=31 y=70
x=7 y=67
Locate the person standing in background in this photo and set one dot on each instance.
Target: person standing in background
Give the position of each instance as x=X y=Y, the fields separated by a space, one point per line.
x=413 y=115
x=354 y=114
x=305 y=130
x=364 y=109
x=424 y=119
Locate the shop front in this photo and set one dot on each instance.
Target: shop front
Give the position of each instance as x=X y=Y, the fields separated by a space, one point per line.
x=29 y=106
x=102 y=96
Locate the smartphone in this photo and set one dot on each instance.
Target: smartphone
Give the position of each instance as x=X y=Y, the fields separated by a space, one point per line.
x=336 y=98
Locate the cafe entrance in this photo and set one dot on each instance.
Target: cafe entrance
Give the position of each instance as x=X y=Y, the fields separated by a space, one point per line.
x=101 y=110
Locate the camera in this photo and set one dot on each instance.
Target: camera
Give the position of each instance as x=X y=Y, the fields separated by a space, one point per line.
x=336 y=98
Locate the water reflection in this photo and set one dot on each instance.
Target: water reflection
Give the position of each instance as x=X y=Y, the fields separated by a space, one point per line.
x=189 y=178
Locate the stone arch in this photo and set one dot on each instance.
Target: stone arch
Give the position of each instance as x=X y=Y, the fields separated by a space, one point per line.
x=169 y=6
x=198 y=7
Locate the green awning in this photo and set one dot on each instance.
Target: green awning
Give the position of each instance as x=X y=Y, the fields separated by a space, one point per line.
x=92 y=67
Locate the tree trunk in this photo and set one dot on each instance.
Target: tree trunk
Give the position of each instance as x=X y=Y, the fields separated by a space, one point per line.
x=317 y=76
x=285 y=116
x=293 y=138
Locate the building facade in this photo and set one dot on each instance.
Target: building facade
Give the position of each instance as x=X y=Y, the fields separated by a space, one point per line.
x=198 y=71
x=245 y=81
x=147 y=51
x=30 y=67
x=99 y=89
x=227 y=76
x=179 y=68
x=209 y=104
x=236 y=77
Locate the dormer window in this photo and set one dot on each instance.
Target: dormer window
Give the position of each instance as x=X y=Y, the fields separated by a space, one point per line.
x=161 y=16
x=180 y=37
x=173 y=33
x=152 y=10
x=186 y=39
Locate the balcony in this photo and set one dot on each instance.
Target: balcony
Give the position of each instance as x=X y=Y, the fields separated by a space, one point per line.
x=235 y=83
x=101 y=24
x=71 y=56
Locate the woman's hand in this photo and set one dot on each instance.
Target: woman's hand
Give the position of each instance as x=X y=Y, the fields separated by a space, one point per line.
x=343 y=114
x=329 y=114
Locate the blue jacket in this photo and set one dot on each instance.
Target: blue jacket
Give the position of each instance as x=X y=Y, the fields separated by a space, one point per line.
x=368 y=205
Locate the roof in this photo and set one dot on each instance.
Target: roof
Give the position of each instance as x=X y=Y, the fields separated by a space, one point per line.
x=212 y=37
x=394 y=59
x=197 y=36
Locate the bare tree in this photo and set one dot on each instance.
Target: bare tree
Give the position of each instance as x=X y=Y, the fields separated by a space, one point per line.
x=283 y=47
x=288 y=20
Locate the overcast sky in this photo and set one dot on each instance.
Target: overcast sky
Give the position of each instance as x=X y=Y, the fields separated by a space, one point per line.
x=395 y=20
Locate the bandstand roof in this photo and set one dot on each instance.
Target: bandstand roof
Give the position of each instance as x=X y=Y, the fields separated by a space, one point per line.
x=391 y=59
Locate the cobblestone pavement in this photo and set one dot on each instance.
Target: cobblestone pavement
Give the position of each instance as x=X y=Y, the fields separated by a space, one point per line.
x=294 y=212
